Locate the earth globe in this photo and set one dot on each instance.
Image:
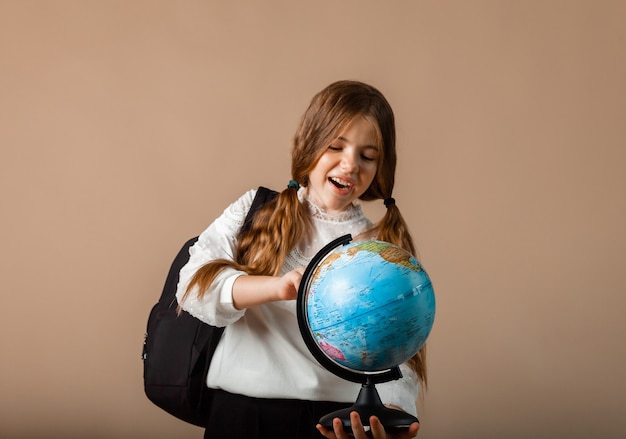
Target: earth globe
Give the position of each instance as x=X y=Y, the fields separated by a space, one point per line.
x=364 y=308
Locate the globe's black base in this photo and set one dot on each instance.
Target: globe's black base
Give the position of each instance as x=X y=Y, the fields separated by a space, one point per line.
x=368 y=404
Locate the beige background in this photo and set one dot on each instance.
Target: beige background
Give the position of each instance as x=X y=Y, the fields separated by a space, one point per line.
x=127 y=126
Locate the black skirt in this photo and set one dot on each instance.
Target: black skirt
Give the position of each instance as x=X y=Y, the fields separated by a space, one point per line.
x=243 y=417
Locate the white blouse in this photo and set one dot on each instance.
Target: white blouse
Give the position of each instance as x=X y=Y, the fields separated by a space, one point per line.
x=262 y=353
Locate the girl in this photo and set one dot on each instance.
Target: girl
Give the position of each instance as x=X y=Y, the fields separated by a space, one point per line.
x=268 y=384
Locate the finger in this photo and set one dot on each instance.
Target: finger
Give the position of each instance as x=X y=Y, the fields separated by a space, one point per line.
x=377 y=429
x=357 y=426
x=325 y=432
x=338 y=429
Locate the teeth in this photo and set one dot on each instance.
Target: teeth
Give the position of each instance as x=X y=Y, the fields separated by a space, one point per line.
x=340 y=182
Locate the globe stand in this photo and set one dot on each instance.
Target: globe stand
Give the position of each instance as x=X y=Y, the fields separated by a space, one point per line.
x=367 y=404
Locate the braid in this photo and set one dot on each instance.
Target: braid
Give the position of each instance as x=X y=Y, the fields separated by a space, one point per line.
x=276 y=229
x=392 y=228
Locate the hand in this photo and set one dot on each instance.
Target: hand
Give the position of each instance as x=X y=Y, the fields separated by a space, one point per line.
x=377 y=431
x=289 y=283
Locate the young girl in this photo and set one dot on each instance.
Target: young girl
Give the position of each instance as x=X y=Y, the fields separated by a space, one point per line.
x=268 y=384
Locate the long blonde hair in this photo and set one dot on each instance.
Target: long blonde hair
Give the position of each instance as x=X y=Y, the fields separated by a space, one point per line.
x=281 y=223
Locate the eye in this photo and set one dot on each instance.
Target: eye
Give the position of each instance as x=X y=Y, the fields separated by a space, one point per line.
x=368 y=158
x=334 y=148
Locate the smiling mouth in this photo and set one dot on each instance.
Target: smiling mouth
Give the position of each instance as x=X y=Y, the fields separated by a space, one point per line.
x=339 y=183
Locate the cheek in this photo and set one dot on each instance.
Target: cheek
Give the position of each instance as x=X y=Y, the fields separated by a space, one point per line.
x=371 y=172
x=322 y=164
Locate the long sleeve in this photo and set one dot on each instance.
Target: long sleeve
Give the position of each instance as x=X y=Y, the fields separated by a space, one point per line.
x=218 y=241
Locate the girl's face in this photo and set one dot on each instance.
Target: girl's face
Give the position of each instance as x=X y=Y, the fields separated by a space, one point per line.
x=347 y=167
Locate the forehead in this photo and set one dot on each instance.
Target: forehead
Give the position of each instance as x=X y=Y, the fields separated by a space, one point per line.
x=361 y=131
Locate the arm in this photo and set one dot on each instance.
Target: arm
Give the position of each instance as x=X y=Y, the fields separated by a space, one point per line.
x=218 y=241
x=232 y=291
x=255 y=290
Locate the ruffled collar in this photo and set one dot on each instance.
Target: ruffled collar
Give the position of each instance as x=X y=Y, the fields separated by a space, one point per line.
x=353 y=211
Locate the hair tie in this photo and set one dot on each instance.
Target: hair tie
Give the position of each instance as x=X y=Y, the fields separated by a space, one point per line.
x=389 y=201
x=293 y=184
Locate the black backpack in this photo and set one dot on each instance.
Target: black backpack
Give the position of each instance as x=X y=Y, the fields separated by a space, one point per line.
x=177 y=349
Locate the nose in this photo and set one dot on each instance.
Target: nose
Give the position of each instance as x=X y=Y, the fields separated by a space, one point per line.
x=349 y=162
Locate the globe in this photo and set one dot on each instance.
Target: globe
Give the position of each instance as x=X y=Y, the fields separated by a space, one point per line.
x=364 y=308
x=370 y=305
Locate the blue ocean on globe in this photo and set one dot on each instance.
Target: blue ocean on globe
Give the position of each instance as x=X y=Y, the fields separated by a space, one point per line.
x=370 y=305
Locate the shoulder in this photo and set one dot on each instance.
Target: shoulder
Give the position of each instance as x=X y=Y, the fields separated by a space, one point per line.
x=254 y=199
x=232 y=218
x=242 y=204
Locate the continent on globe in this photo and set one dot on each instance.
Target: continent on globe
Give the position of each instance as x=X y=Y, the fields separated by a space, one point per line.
x=332 y=351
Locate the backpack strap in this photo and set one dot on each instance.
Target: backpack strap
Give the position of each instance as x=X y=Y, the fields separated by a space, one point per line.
x=262 y=197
